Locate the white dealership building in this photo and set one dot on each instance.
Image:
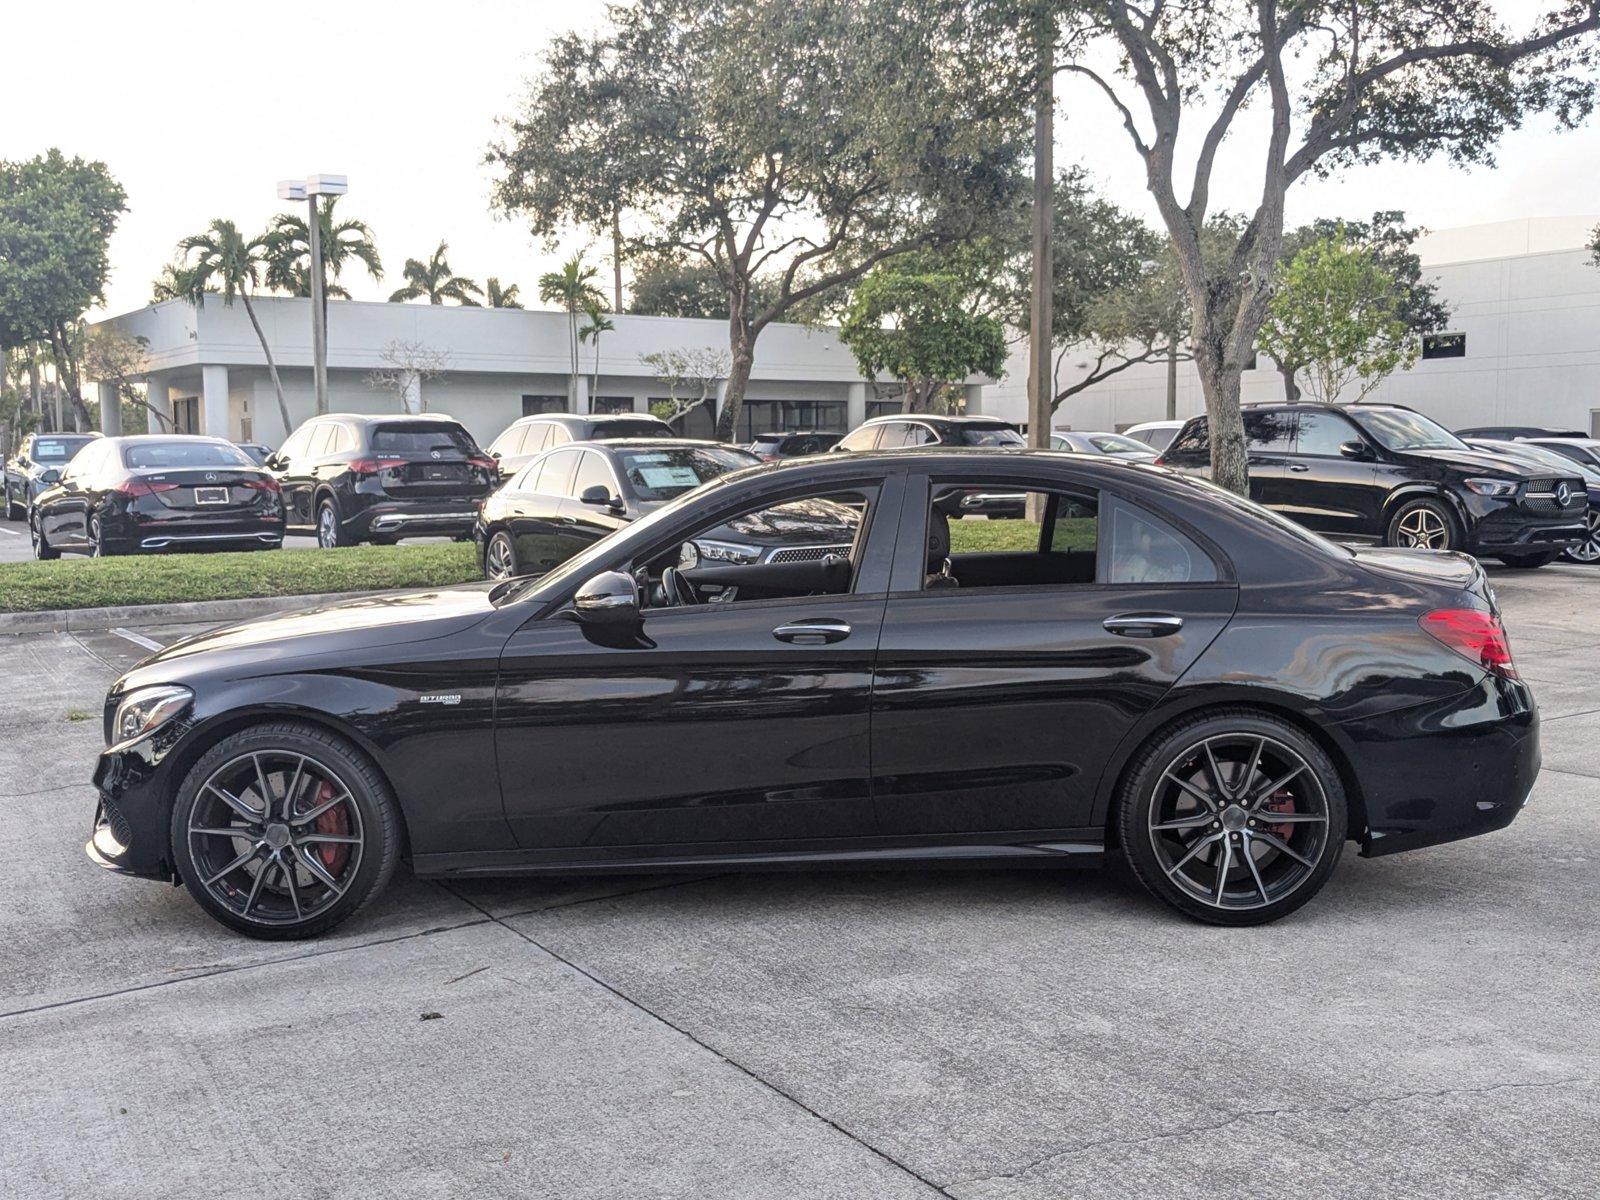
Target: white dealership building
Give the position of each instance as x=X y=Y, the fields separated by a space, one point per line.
x=1522 y=348
x=205 y=367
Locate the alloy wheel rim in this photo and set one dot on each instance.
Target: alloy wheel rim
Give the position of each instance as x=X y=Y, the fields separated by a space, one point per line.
x=1423 y=529
x=1588 y=550
x=34 y=535
x=276 y=837
x=499 y=557
x=325 y=528
x=95 y=545
x=1239 y=821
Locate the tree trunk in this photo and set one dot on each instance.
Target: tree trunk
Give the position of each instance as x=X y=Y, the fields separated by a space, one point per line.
x=616 y=257
x=35 y=392
x=1172 y=378
x=572 y=380
x=1291 y=389
x=272 y=367
x=742 y=347
x=1224 y=420
x=594 y=376
x=67 y=371
x=1041 y=383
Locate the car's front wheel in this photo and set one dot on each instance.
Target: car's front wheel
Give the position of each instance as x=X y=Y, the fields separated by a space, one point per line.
x=1423 y=524
x=1233 y=817
x=1588 y=550
x=283 y=831
x=500 y=557
x=14 y=511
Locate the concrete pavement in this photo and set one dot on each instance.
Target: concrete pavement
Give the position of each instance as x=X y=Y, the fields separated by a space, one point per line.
x=1427 y=1026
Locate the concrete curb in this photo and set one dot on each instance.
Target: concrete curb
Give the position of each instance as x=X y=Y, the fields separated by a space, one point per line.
x=215 y=611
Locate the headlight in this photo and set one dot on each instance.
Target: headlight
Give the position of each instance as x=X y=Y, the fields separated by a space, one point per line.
x=1492 y=487
x=732 y=552
x=146 y=710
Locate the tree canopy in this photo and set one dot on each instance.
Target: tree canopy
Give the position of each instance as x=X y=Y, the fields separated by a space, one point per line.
x=803 y=142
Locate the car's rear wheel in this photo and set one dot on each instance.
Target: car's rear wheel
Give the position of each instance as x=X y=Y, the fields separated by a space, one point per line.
x=42 y=549
x=1233 y=817
x=1588 y=550
x=1423 y=524
x=14 y=511
x=330 y=530
x=282 y=831
x=97 y=540
x=500 y=557
x=1528 y=562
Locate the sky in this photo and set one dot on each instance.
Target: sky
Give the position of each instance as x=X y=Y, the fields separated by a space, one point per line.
x=199 y=108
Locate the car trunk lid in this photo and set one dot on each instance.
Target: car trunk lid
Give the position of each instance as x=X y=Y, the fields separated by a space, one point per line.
x=209 y=490
x=428 y=460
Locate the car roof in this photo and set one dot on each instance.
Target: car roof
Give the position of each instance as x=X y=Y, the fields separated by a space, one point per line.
x=1176 y=423
x=170 y=437
x=374 y=418
x=642 y=443
x=949 y=420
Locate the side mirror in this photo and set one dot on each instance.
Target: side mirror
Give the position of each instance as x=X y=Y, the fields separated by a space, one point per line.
x=610 y=599
x=599 y=495
x=1355 y=450
x=494 y=454
x=49 y=475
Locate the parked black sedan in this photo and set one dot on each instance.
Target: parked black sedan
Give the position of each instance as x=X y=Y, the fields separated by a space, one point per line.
x=132 y=495
x=359 y=478
x=1171 y=673
x=38 y=462
x=571 y=497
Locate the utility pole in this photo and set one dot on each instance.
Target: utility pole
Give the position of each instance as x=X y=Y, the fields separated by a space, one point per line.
x=1041 y=385
x=309 y=190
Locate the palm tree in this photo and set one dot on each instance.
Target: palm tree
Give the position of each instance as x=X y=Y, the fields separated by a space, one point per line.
x=496 y=296
x=433 y=281
x=572 y=287
x=288 y=264
x=221 y=258
x=598 y=323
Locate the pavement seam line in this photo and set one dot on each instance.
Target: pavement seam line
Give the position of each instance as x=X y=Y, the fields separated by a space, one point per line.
x=654 y=887
x=718 y=1054
x=1270 y=1113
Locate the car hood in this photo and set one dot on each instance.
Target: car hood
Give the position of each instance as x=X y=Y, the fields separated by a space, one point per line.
x=1480 y=460
x=388 y=618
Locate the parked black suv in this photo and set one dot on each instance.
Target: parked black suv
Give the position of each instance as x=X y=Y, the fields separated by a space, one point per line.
x=364 y=478
x=531 y=436
x=1383 y=473
x=36 y=465
x=923 y=431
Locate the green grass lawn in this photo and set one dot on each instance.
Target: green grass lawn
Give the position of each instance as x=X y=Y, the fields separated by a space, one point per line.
x=968 y=536
x=77 y=582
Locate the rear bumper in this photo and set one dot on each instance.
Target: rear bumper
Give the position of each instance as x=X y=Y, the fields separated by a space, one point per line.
x=420 y=518
x=137 y=533
x=1444 y=771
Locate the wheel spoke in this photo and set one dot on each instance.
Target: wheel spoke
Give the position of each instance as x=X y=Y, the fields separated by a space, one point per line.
x=1268 y=817
x=1194 y=822
x=238 y=805
x=227 y=831
x=1209 y=801
x=1217 y=784
x=1251 y=768
x=261 y=782
x=1260 y=798
x=255 y=890
x=322 y=876
x=1195 y=849
x=286 y=869
x=1283 y=847
x=1222 y=871
x=292 y=792
x=307 y=818
x=1255 y=871
x=235 y=864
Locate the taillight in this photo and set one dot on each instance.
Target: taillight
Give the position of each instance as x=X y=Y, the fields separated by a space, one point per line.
x=484 y=461
x=264 y=484
x=371 y=466
x=1474 y=635
x=1161 y=460
x=143 y=487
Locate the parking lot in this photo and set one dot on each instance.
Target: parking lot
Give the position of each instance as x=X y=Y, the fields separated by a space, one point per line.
x=1427 y=1026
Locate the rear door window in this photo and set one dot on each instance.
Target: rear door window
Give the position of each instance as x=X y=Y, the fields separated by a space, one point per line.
x=1268 y=432
x=1321 y=434
x=865 y=438
x=555 y=473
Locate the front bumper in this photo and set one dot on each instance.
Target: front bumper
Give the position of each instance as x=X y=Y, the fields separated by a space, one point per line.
x=131 y=832
x=1444 y=771
x=1502 y=525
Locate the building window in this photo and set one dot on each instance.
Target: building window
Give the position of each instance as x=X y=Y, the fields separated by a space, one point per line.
x=613 y=404
x=698 y=422
x=534 y=405
x=883 y=408
x=1444 y=345
x=789 y=416
x=186 y=414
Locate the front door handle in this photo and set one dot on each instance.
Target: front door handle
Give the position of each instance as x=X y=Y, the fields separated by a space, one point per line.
x=1143 y=625
x=1299 y=467
x=812 y=631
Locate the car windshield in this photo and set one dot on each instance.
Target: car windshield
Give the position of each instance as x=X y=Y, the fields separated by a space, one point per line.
x=58 y=449
x=145 y=456
x=1115 y=443
x=422 y=439
x=664 y=474
x=1396 y=429
x=991 y=435
x=631 y=429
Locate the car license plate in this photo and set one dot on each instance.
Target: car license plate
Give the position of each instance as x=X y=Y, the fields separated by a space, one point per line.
x=438 y=473
x=211 y=495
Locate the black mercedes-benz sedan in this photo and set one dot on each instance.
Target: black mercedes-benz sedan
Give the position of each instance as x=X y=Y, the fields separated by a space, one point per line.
x=153 y=492
x=571 y=497
x=1157 y=669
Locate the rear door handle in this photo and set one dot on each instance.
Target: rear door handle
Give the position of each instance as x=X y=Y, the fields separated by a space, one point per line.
x=1299 y=467
x=812 y=631
x=1143 y=625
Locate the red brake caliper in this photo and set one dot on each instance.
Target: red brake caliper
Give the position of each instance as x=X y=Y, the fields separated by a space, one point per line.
x=336 y=821
x=1282 y=801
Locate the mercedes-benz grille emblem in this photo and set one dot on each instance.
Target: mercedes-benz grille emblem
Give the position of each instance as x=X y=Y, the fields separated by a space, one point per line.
x=1563 y=494
x=436 y=454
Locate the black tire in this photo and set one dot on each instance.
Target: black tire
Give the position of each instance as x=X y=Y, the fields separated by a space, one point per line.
x=1425 y=524
x=376 y=824
x=330 y=530
x=14 y=511
x=42 y=549
x=97 y=541
x=384 y=539
x=1276 y=883
x=500 y=549
x=1527 y=562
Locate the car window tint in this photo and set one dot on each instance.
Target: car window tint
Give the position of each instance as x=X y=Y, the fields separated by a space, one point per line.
x=1004 y=534
x=508 y=441
x=57 y=450
x=1145 y=549
x=558 y=435
x=864 y=438
x=1192 y=442
x=1268 y=432
x=593 y=470
x=419 y=440
x=182 y=452
x=297 y=443
x=1158 y=439
x=666 y=473
x=918 y=435
x=1323 y=434
x=555 y=473
x=991 y=435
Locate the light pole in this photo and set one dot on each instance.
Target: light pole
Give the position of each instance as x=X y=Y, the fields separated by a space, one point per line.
x=308 y=190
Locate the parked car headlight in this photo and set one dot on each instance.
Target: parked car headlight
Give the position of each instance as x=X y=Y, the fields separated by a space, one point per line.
x=144 y=711
x=1492 y=487
x=730 y=552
